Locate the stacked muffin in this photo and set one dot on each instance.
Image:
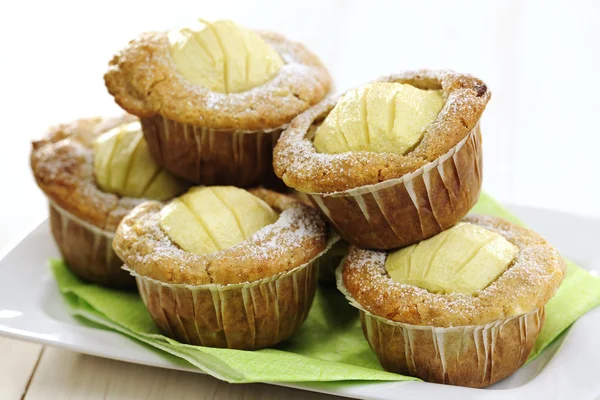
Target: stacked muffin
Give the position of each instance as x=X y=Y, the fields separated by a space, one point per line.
x=219 y=265
x=395 y=166
x=392 y=166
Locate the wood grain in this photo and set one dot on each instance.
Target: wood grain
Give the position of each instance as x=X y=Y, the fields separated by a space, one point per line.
x=63 y=374
x=17 y=363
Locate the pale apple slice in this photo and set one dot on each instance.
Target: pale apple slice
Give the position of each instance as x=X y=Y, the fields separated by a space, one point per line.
x=223 y=216
x=380 y=109
x=142 y=171
x=123 y=165
x=460 y=246
x=129 y=137
x=103 y=151
x=250 y=212
x=223 y=56
x=462 y=259
x=414 y=110
x=397 y=264
x=232 y=45
x=329 y=138
x=164 y=186
x=485 y=267
x=183 y=227
x=217 y=218
x=422 y=258
x=352 y=120
x=198 y=55
x=262 y=60
x=382 y=117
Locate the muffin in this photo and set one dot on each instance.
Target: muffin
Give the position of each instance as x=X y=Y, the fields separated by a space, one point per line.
x=330 y=260
x=213 y=98
x=463 y=308
x=94 y=171
x=393 y=162
x=224 y=267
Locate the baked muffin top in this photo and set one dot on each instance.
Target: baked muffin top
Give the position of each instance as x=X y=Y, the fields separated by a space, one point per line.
x=380 y=117
x=528 y=283
x=211 y=218
x=465 y=258
x=223 y=56
x=145 y=243
x=79 y=168
x=302 y=167
x=146 y=81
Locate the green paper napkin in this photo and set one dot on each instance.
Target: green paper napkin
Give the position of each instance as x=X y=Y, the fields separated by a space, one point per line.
x=330 y=345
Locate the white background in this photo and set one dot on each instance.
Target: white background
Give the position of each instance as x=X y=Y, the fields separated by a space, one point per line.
x=540 y=59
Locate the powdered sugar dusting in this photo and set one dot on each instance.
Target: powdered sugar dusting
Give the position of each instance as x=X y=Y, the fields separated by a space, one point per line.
x=299 y=235
x=298 y=163
x=528 y=283
x=144 y=80
x=62 y=163
x=297 y=226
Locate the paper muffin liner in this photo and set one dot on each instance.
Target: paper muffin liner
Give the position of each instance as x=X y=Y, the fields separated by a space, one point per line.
x=403 y=211
x=474 y=355
x=330 y=261
x=212 y=157
x=245 y=316
x=87 y=250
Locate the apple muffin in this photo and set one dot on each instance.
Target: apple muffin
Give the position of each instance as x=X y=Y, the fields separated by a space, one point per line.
x=94 y=171
x=393 y=162
x=330 y=260
x=464 y=307
x=214 y=97
x=224 y=267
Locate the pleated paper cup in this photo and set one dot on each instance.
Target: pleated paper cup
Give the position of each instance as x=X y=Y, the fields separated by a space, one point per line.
x=330 y=261
x=474 y=356
x=212 y=157
x=245 y=316
x=87 y=250
x=403 y=211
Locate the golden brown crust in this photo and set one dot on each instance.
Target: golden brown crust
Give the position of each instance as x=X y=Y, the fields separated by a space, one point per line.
x=144 y=81
x=300 y=166
x=63 y=168
x=298 y=236
x=529 y=283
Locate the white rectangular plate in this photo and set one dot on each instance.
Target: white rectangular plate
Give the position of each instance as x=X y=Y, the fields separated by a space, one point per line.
x=32 y=309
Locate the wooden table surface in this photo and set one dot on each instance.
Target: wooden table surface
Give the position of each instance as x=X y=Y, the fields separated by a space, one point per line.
x=34 y=372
